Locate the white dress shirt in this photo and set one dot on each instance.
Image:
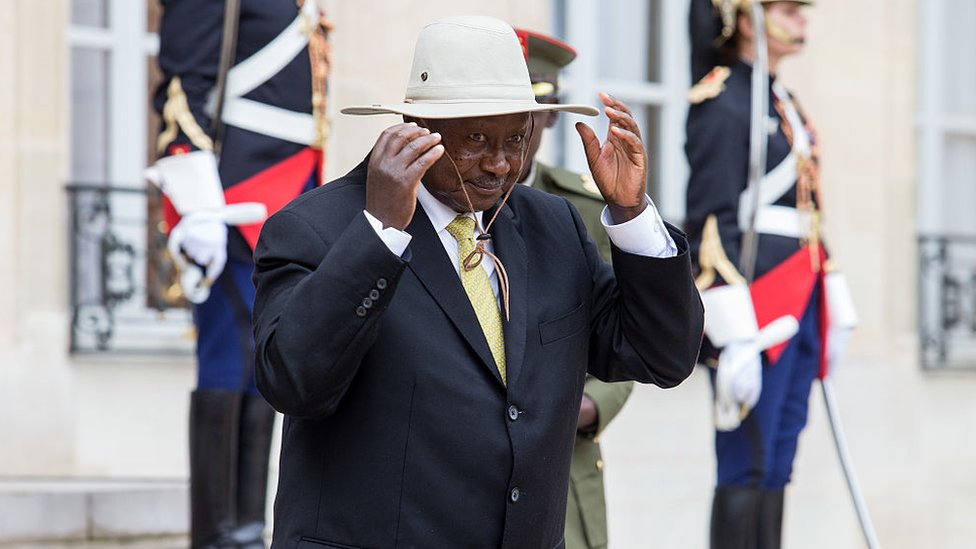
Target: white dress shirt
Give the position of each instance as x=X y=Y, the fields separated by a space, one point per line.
x=644 y=235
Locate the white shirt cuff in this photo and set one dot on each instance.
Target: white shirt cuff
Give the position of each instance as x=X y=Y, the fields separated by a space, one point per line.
x=395 y=239
x=643 y=235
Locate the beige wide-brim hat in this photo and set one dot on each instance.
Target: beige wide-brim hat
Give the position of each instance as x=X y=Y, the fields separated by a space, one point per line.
x=468 y=67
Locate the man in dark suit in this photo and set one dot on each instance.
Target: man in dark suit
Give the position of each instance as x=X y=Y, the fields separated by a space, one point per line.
x=426 y=325
x=586 y=510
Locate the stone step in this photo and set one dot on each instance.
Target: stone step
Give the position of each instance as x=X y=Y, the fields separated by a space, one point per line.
x=34 y=511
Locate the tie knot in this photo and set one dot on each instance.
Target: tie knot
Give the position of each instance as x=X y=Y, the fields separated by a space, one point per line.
x=461 y=227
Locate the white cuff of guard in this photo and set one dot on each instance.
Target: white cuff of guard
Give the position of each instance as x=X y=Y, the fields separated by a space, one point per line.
x=729 y=314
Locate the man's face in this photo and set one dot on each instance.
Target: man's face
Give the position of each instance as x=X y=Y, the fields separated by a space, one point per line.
x=488 y=153
x=787 y=16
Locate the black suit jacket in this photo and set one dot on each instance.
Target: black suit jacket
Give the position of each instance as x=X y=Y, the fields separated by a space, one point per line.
x=398 y=431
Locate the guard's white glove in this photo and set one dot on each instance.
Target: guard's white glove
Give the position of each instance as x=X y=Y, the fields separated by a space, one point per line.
x=192 y=184
x=730 y=323
x=738 y=379
x=842 y=315
x=738 y=383
x=837 y=338
x=202 y=237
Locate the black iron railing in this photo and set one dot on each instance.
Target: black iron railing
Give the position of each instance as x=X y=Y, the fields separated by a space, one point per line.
x=947 y=301
x=120 y=274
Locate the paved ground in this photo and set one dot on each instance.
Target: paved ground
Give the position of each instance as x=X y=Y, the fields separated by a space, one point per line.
x=157 y=543
x=910 y=438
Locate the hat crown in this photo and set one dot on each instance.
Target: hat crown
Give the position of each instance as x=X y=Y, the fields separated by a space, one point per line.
x=468 y=59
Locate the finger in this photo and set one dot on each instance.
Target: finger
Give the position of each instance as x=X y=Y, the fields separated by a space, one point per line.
x=215 y=266
x=611 y=101
x=419 y=167
x=390 y=141
x=417 y=147
x=591 y=144
x=623 y=119
x=629 y=142
x=403 y=138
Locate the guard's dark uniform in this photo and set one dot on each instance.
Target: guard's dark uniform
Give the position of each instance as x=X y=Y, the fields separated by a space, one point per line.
x=718 y=152
x=270 y=151
x=755 y=460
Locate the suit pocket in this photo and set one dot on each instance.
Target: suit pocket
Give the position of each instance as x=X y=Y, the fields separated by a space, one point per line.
x=564 y=326
x=310 y=543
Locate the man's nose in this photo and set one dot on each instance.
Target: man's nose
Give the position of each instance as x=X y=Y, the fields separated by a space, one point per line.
x=496 y=162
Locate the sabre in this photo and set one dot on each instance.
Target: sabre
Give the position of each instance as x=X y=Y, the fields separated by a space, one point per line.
x=830 y=402
x=757 y=140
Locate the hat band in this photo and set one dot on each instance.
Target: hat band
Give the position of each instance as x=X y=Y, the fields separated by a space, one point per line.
x=467 y=93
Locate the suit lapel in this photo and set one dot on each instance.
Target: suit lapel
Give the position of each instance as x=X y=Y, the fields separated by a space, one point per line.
x=510 y=248
x=434 y=270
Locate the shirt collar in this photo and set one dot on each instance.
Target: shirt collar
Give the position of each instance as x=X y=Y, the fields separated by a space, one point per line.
x=439 y=213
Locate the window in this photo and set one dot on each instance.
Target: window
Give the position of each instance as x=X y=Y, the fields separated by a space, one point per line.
x=637 y=50
x=947 y=183
x=110 y=126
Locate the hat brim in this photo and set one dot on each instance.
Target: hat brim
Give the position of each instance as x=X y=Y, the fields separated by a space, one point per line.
x=467 y=109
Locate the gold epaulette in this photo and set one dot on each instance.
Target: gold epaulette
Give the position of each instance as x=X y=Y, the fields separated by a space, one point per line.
x=177 y=116
x=712 y=259
x=710 y=86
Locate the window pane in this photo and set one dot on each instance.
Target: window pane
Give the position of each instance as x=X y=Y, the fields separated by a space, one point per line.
x=630 y=41
x=91 y=13
x=649 y=119
x=89 y=116
x=959 y=193
x=960 y=49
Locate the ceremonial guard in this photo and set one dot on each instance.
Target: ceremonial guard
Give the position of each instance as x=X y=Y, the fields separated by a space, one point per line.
x=764 y=274
x=243 y=123
x=586 y=513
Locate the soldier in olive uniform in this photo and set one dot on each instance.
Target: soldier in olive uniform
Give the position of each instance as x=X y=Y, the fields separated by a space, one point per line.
x=586 y=512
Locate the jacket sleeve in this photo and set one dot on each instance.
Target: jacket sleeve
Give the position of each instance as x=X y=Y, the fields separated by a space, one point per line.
x=647 y=316
x=718 y=155
x=189 y=56
x=307 y=354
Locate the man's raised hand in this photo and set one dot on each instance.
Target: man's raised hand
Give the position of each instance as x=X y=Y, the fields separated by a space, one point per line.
x=401 y=156
x=619 y=165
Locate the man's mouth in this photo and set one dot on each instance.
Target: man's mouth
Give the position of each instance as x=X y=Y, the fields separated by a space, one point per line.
x=486 y=184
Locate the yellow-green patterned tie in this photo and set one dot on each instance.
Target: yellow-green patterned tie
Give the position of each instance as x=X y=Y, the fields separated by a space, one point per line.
x=478 y=288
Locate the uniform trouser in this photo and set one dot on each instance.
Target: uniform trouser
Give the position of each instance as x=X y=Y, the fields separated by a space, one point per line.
x=755 y=461
x=225 y=346
x=760 y=452
x=230 y=429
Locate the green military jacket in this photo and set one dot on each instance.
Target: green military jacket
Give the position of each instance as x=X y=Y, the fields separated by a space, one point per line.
x=586 y=510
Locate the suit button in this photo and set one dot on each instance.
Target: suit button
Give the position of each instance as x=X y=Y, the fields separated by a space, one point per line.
x=374 y=294
x=367 y=302
x=381 y=283
x=360 y=311
x=515 y=494
x=599 y=465
x=513 y=412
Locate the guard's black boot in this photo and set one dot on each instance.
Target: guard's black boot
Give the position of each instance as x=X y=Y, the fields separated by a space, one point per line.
x=254 y=451
x=771 y=519
x=735 y=517
x=213 y=468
